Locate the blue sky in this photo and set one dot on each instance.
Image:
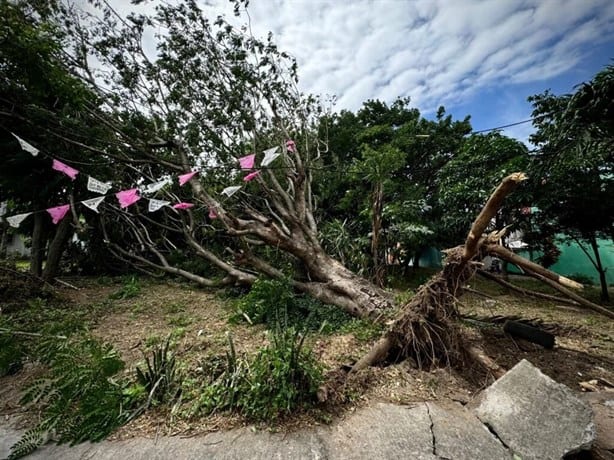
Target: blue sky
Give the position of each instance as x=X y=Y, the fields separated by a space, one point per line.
x=477 y=57
x=482 y=58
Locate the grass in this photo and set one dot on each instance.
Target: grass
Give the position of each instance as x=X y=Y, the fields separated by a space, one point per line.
x=178 y=310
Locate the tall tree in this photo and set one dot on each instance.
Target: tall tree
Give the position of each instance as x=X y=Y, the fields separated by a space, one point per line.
x=573 y=169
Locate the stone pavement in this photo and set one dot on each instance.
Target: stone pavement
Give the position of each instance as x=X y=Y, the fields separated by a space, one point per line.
x=384 y=431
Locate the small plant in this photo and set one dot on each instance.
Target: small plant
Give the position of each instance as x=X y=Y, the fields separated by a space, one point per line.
x=11 y=352
x=270 y=301
x=281 y=378
x=129 y=290
x=180 y=320
x=284 y=376
x=175 y=307
x=160 y=378
x=264 y=301
x=80 y=399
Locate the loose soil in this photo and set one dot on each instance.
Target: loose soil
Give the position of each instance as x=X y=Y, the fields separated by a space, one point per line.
x=198 y=322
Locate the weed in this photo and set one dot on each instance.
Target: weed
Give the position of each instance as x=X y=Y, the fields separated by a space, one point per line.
x=152 y=340
x=160 y=378
x=177 y=333
x=175 y=307
x=129 y=290
x=363 y=330
x=180 y=321
x=138 y=308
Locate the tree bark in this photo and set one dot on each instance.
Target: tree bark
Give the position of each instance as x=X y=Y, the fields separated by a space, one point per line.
x=527 y=265
x=379 y=265
x=56 y=249
x=512 y=287
x=605 y=296
x=37 y=249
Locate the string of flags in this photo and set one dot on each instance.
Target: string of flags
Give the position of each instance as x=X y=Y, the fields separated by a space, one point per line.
x=129 y=197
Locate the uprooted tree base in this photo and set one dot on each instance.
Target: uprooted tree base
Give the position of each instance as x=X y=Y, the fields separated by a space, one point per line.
x=427 y=327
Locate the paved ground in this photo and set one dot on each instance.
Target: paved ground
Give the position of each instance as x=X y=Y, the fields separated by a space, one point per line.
x=385 y=431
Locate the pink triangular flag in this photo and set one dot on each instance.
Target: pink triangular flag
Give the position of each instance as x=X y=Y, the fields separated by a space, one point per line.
x=183 y=205
x=58 y=213
x=247 y=162
x=290 y=145
x=186 y=177
x=127 y=197
x=250 y=176
x=212 y=213
x=70 y=172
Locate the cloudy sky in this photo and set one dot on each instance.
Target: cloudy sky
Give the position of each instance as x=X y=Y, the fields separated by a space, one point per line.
x=481 y=58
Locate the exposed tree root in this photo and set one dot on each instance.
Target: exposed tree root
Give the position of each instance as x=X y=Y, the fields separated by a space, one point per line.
x=427 y=328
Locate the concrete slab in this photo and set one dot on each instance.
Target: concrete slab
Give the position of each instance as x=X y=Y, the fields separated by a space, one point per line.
x=457 y=433
x=383 y=432
x=536 y=417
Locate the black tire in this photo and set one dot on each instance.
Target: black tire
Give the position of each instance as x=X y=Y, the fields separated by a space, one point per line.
x=529 y=333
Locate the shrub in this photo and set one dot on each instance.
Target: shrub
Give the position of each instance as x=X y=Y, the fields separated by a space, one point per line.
x=11 y=353
x=273 y=301
x=79 y=400
x=281 y=378
x=264 y=301
x=130 y=289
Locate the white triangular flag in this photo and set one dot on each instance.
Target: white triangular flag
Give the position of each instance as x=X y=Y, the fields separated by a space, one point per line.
x=93 y=203
x=27 y=147
x=3 y=206
x=269 y=156
x=154 y=205
x=94 y=185
x=155 y=186
x=230 y=191
x=14 y=221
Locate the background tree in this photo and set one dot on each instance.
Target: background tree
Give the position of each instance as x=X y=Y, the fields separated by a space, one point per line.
x=42 y=102
x=573 y=169
x=395 y=154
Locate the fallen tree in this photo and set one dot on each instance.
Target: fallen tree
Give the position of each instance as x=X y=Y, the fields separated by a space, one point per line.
x=427 y=328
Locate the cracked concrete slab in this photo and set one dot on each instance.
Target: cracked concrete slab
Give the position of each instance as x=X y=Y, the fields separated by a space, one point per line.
x=457 y=433
x=383 y=431
x=534 y=416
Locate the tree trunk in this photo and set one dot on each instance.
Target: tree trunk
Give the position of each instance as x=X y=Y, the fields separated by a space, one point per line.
x=379 y=265
x=426 y=328
x=37 y=250
x=56 y=249
x=4 y=240
x=605 y=296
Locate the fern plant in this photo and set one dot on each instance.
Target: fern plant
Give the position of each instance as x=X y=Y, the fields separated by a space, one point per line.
x=80 y=400
x=160 y=378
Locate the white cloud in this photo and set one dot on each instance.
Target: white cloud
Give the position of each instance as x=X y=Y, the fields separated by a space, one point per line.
x=437 y=52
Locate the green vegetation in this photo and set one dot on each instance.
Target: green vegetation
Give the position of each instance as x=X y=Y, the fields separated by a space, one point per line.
x=272 y=302
x=283 y=377
x=81 y=398
x=160 y=377
x=130 y=289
